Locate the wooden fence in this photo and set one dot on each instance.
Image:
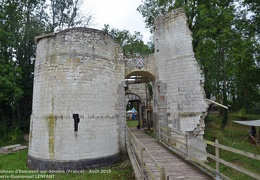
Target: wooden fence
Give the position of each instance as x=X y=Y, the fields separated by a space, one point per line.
x=168 y=138
x=138 y=150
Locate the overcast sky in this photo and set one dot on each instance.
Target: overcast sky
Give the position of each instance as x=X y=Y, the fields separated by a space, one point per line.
x=119 y=14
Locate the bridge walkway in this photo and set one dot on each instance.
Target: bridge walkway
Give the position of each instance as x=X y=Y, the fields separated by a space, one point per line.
x=174 y=166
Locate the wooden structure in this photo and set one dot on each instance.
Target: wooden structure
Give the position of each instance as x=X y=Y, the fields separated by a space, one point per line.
x=159 y=159
x=169 y=138
x=156 y=162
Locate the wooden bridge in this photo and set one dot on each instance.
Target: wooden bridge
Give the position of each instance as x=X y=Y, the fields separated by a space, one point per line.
x=157 y=162
x=152 y=160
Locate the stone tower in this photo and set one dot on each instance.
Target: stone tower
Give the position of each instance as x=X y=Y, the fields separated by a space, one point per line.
x=75 y=120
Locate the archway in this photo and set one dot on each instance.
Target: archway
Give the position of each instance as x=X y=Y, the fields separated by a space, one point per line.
x=133 y=108
x=140 y=84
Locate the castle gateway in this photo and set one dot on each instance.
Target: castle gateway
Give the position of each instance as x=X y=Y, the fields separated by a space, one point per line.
x=79 y=99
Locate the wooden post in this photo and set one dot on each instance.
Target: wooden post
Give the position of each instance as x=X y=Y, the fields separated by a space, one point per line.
x=187 y=146
x=217 y=156
x=169 y=136
x=162 y=174
x=159 y=133
x=142 y=162
x=169 y=133
x=140 y=119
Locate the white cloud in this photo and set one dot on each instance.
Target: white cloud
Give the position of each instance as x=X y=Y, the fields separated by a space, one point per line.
x=119 y=14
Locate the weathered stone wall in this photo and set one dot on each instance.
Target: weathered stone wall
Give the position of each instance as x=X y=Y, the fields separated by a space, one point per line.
x=147 y=68
x=77 y=71
x=179 y=70
x=138 y=89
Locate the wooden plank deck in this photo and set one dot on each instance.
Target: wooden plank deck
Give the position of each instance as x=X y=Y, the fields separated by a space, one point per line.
x=175 y=166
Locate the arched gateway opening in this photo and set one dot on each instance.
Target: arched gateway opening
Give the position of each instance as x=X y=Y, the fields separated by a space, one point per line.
x=140 y=84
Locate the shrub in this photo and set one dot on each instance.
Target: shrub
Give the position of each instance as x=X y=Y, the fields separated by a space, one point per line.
x=242 y=113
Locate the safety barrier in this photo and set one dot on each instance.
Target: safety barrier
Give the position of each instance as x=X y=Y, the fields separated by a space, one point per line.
x=170 y=138
x=138 y=151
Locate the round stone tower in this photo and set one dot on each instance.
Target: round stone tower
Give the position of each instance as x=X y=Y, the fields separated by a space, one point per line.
x=75 y=122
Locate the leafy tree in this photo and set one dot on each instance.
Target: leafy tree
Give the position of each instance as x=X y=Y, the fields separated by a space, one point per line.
x=132 y=43
x=66 y=14
x=245 y=57
x=150 y=9
x=32 y=26
x=254 y=8
x=10 y=15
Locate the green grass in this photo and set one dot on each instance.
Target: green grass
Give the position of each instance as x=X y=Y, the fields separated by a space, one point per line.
x=132 y=123
x=17 y=161
x=234 y=135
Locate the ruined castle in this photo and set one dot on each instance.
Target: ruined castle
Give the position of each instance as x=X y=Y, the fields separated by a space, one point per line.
x=79 y=97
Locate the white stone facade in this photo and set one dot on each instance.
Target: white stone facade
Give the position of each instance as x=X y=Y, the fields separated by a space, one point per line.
x=76 y=72
x=178 y=70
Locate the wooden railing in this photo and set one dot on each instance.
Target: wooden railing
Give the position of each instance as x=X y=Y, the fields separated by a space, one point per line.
x=138 y=151
x=166 y=137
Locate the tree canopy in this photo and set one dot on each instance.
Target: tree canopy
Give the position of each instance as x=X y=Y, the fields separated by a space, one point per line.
x=132 y=44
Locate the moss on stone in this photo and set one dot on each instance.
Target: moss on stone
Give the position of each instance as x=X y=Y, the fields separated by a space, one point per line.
x=73 y=60
x=189 y=114
x=51 y=126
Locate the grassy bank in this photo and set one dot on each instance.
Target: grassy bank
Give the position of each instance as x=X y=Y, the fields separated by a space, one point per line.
x=132 y=123
x=15 y=166
x=236 y=136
